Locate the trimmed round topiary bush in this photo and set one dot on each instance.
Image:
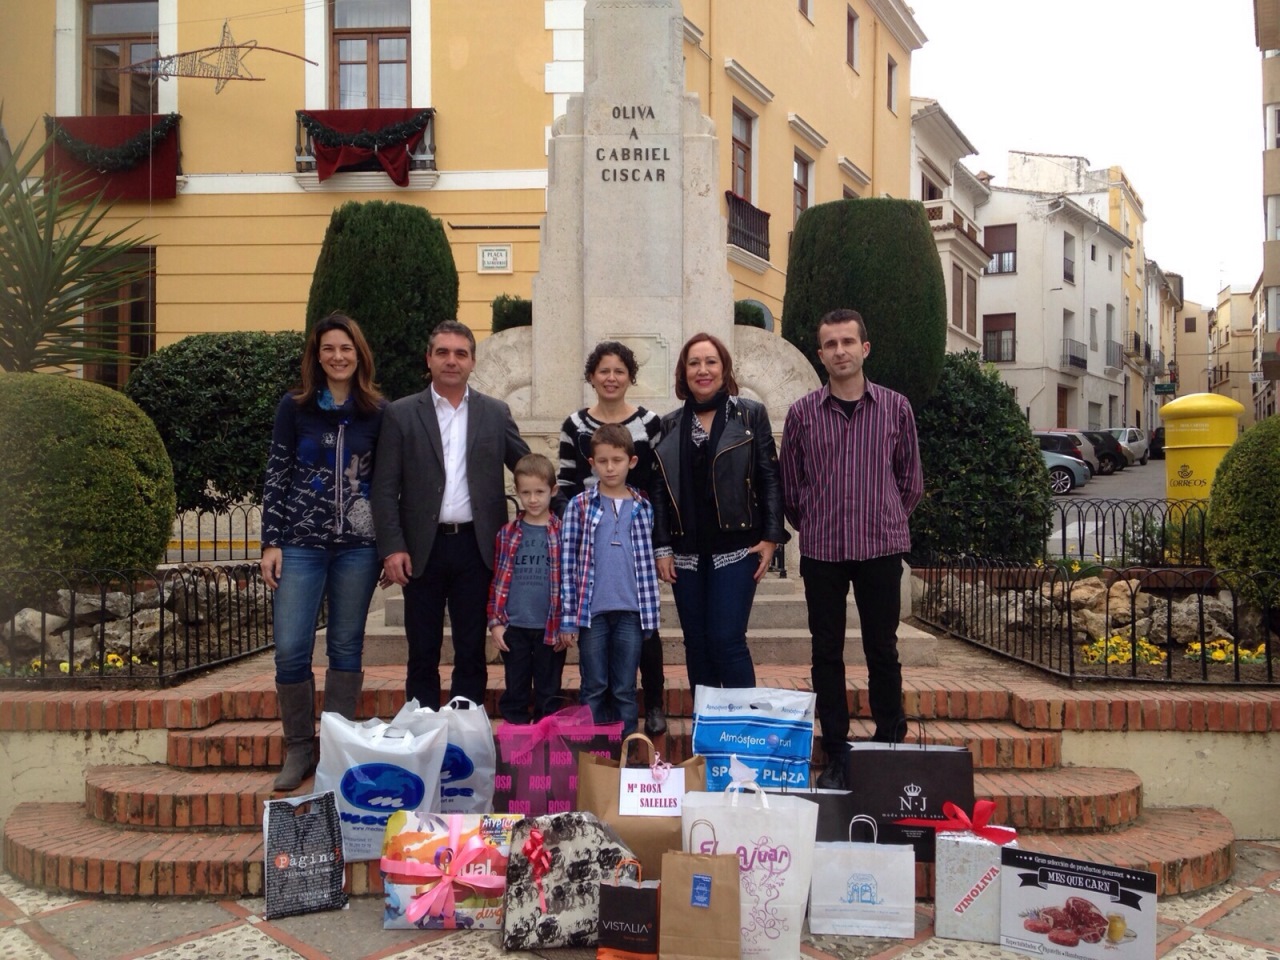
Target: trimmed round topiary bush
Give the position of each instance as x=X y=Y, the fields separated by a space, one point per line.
x=986 y=490
x=1243 y=524
x=510 y=311
x=878 y=257
x=213 y=398
x=388 y=266
x=89 y=485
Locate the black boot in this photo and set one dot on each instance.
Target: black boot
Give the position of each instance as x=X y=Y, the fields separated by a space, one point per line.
x=297 y=716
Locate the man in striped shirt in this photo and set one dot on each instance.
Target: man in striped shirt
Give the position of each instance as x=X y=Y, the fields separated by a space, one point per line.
x=850 y=478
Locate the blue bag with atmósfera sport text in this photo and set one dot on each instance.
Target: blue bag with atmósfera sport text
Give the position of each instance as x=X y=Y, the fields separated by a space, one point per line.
x=769 y=730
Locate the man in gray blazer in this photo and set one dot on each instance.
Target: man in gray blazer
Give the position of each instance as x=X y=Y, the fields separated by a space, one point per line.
x=438 y=499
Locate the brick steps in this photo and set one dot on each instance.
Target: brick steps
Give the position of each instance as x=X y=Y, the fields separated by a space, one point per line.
x=157 y=797
x=995 y=745
x=57 y=846
x=1068 y=798
x=1187 y=848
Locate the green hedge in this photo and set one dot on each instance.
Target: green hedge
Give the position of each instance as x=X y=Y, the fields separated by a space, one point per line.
x=986 y=487
x=748 y=314
x=877 y=257
x=88 y=486
x=389 y=266
x=509 y=311
x=1243 y=524
x=213 y=398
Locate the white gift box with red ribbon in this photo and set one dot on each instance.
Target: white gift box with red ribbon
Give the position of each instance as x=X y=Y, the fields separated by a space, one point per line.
x=966 y=888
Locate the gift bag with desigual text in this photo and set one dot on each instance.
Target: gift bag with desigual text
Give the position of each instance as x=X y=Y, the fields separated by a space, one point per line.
x=773 y=836
x=893 y=781
x=445 y=871
x=628 y=927
x=649 y=834
x=699 y=907
x=537 y=766
x=863 y=889
x=302 y=844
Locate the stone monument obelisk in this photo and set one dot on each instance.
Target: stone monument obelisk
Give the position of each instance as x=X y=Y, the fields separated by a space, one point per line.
x=633 y=241
x=632 y=247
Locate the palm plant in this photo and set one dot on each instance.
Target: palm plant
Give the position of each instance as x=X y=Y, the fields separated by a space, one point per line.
x=58 y=264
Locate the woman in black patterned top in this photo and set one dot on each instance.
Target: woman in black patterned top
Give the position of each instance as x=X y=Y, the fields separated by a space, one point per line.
x=611 y=370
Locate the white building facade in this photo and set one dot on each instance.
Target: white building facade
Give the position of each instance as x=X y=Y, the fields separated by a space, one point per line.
x=951 y=195
x=1051 y=318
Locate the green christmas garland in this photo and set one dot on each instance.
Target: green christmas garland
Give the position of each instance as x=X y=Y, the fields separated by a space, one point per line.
x=389 y=136
x=125 y=156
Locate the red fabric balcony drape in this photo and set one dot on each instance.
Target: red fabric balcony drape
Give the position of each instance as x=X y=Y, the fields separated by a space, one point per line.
x=128 y=158
x=356 y=136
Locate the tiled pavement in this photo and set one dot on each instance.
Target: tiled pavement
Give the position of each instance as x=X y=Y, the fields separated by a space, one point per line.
x=1239 y=920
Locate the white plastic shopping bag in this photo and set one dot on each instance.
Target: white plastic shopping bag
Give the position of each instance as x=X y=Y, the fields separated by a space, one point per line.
x=773 y=838
x=470 y=758
x=376 y=769
x=769 y=730
x=863 y=889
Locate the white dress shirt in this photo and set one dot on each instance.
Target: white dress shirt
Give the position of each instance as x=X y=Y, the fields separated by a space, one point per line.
x=456 y=505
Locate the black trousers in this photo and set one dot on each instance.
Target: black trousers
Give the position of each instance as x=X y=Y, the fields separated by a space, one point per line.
x=876 y=585
x=456 y=576
x=652 y=678
x=530 y=662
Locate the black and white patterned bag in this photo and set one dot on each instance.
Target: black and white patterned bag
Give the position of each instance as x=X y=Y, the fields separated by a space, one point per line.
x=553 y=880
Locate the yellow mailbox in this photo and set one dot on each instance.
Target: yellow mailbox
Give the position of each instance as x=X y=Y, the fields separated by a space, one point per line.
x=1198 y=431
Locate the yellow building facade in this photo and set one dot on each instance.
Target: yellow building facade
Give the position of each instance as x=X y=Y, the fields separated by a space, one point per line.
x=1231 y=345
x=810 y=100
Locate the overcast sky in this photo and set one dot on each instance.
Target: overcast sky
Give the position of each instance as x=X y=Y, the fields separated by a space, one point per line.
x=1169 y=91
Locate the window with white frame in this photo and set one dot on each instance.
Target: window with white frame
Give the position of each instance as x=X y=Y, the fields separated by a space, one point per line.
x=852 y=39
x=743 y=123
x=891 y=85
x=369 y=54
x=117 y=34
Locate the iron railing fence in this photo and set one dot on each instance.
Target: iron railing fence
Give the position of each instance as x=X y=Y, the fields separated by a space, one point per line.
x=1149 y=532
x=207 y=536
x=1188 y=625
x=129 y=628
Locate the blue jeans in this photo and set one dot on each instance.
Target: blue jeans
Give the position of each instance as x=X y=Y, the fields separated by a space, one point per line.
x=714 y=607
x=350 y=575
x=608 y=656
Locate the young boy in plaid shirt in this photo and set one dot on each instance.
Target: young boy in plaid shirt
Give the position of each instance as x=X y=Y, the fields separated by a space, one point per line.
x=524 y=598
x=608 y=581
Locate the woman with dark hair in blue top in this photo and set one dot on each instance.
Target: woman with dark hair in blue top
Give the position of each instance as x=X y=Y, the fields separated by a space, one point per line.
x=317 y=530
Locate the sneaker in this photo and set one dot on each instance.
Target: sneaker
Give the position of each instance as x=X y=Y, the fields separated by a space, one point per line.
x=655 y=721
x=832 y=778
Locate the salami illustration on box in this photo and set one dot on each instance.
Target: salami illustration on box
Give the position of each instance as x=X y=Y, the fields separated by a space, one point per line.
x=1059 y=907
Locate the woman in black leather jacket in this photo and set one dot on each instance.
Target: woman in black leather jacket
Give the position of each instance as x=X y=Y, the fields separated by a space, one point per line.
x=717 y=506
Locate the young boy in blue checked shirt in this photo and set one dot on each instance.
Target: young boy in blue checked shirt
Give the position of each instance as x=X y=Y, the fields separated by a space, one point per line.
x=608 y=581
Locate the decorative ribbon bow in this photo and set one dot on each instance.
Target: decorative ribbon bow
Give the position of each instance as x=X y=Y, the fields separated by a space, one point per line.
x=957 y=819
x=517 y=740
x=440 y=900
x=539 y=863
x=659 y=769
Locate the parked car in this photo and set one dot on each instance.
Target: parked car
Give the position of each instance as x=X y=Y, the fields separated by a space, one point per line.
x=1058 y=443
x=1087 y=451
x=1111 y=456
x=1133 y=440
x=1157 y=444
x=1065 y=473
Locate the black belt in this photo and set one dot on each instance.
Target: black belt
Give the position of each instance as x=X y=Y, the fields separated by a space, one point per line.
x=449 y=529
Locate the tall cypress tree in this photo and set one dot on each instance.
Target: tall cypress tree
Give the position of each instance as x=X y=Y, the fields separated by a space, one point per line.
x=878 y=257
x=388 y=266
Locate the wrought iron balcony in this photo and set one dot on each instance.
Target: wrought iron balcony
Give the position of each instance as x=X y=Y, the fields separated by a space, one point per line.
x=1132 y=344
x=368 y=132
x=1075 y=358
x=1115 y=355
x=1068 y=270
x=748 y=226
